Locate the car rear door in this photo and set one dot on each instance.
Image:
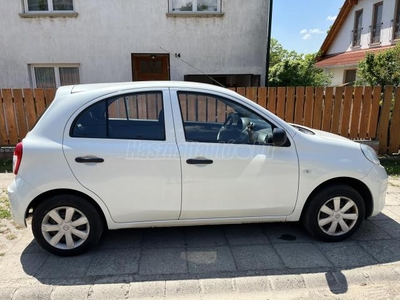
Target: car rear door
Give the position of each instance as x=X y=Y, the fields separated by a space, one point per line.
x=227 y=178
x=123 y=149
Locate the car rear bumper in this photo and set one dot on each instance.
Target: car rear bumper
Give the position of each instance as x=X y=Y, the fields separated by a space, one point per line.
x=20 y=194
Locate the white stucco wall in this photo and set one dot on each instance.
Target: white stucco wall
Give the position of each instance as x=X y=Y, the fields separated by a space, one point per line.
x=105 y=33
x=342 y=41
x=338 y=74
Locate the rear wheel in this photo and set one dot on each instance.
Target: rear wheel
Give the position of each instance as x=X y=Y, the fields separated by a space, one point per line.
x=66 y=225
x=334 y=213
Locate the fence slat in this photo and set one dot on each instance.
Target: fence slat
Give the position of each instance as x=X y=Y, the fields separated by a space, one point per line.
x=241 y=91
x=3 y=128
x=39 y=102
x=271 y=105
x=10 y=117
x=20 y=113
x=30 y=107
x=298 y=114
x=373 y=126
x=327 y=109
x=49 y=96
x=308 y=106
x=355 y=113
x=317 y=111
x=384 y=117
x=262 y=96
x=251 y=93
x=394 y=141
x=281 y=102
x=289 y=104
x=337 y=110
x=365 y=112
x=347 y=103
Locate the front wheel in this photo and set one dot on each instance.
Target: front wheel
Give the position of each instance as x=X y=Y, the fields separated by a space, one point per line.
x=334 y=213
x=66 y=225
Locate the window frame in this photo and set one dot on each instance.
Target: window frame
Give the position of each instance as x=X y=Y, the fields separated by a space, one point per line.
x=345 y=76
x=396 y=22
x=195 y=11
x=50 y=12
x=108 y=102
x=357 y=30
x=374 y=33
x=56 y=68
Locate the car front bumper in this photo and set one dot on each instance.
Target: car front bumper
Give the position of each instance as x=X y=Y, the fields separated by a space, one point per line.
x=377 y=181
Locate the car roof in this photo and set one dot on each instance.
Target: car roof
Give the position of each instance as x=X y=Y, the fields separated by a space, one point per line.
x=117 y=86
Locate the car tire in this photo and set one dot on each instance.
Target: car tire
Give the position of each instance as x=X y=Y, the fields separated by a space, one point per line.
x=334 y=213
x=66 y=225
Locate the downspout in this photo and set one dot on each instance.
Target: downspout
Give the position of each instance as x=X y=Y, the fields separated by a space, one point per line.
x=269 y=26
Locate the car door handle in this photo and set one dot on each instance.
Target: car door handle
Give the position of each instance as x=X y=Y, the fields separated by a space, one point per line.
x=199 y=161
x=89 y=160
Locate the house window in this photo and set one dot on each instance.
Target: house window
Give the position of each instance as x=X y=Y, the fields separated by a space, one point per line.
x=54 y=76
x=356 y=34
x=376 y=23
x=350 y=76
x=48 y=5
x=201 y=6
x=396 y=22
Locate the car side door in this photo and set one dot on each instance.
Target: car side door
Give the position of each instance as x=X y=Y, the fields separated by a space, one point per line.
x=123 y=148
x=230 y=168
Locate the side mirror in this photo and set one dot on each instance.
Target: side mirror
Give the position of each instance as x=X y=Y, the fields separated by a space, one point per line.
x=279 y=137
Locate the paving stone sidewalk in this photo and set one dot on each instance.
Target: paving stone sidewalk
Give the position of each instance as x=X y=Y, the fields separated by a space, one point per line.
x=247 y=261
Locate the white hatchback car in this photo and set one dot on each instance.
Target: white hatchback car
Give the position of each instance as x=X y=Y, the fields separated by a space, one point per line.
x=152 y=154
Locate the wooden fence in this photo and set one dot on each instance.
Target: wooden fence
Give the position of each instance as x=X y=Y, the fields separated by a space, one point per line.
x=354 y=112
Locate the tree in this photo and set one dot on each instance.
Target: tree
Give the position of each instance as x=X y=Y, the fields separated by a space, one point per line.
x=293 y=69
x=382 y=68
x=278 y=53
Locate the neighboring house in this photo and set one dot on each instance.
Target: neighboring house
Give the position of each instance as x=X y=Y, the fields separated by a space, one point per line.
x=361 y=26
x=48 y=43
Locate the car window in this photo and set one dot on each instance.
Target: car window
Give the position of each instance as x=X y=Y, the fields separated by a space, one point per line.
x=213 y=119
x=134 y=116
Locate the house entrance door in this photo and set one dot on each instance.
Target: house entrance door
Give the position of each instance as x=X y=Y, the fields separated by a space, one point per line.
x=150 y=67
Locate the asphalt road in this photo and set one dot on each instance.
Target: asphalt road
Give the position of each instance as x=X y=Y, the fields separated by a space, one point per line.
x=256 y=261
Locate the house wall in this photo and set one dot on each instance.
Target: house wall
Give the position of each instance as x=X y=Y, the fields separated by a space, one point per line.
x=342 y=41
x=105 y=33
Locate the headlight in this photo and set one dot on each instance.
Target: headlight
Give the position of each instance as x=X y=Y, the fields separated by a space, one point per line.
x=370 y=154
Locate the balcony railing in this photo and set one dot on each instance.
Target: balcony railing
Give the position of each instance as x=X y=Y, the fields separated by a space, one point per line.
x=356 y=37
x=376 y=33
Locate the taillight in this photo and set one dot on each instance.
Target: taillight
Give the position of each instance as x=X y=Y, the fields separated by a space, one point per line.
x=17 y=157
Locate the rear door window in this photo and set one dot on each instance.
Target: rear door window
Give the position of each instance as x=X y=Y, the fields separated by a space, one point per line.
x=134 y=116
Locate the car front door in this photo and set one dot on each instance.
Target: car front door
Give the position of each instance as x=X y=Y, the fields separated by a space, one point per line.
x=229 y=166
x=123 y=149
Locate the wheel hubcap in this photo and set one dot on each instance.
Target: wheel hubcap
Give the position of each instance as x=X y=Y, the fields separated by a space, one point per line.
x=65 y=227
x=338 y=216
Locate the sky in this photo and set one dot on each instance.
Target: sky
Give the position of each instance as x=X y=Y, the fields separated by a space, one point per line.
x=301 y=25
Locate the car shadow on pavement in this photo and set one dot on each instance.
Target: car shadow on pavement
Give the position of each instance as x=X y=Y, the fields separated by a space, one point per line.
x=231 y=251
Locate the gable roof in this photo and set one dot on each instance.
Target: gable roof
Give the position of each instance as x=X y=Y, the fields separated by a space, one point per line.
x=344 y=12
